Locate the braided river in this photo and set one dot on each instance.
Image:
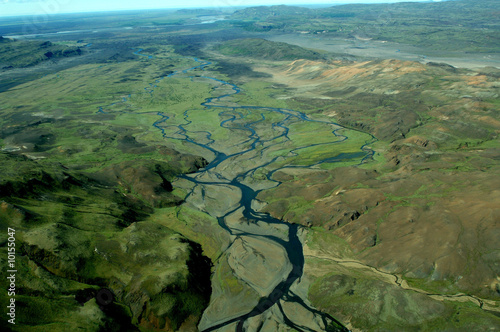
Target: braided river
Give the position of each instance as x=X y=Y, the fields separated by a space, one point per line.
x=264 y=254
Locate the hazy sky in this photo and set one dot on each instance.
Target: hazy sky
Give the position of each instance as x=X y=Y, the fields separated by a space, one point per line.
x=50 y=7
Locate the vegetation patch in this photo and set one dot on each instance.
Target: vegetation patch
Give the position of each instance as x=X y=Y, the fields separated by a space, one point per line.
x=267 y=50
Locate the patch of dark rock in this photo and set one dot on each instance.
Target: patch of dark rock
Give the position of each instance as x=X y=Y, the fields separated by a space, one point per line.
x=71 y=181
x=128 y=144
x=346 y=218
x=39 y=138
x=87 y=132
x=118 y=318
x=82 y=296
x=62 y=53
x=44 y=258
x=29 y=187
x=5 y=132
x=200 y=162
x=199 y=271
x=165 y=73
x=182 y=161
x=336 y=327
x=168 y=151
x=134 y=209
x=236 y=70
x=165 y=185
x=355 y=124
x=189 y=49
x=46 y=44
x=148 y=178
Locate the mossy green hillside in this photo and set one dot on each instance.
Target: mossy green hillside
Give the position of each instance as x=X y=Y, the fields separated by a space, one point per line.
x=196 y=226
x=264 y=49
x=79 y=232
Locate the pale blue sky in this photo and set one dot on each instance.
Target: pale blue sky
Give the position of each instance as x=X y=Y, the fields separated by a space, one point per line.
x=51 y=7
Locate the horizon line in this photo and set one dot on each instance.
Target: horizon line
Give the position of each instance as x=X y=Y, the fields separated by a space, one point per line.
x=215 y=7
